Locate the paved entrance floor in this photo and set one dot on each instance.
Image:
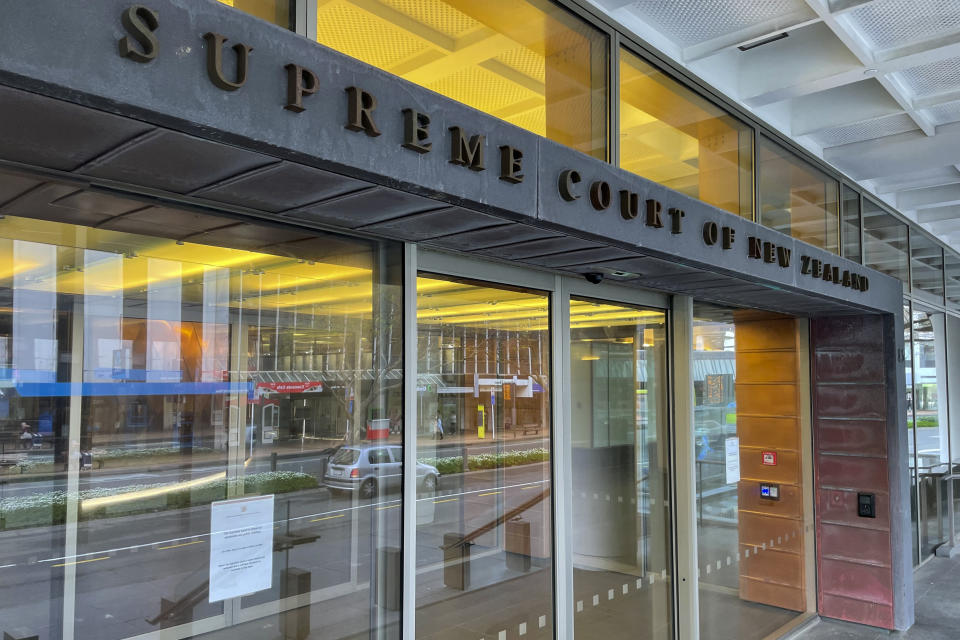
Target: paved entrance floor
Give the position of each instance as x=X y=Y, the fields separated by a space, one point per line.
x=937 y=585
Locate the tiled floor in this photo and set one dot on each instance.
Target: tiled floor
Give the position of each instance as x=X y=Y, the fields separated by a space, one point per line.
x=937 y=595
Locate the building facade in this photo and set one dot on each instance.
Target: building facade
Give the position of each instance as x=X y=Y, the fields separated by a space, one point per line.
x=383 y=319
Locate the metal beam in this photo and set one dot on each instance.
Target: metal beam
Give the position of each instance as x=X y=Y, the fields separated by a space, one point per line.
x=888 y=156
x=938 y=214
x=856 y=45
x=930 y=197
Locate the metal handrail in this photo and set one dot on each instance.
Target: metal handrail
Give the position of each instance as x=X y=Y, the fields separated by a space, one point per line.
x=496 y=522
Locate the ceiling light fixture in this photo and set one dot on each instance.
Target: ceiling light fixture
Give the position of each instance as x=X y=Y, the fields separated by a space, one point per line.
x=758 y=43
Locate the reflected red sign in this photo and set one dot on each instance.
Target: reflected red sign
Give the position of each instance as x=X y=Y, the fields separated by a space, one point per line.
x=290 y=387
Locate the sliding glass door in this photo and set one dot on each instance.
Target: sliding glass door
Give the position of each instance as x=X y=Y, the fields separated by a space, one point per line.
x=621 y=535
x=484 y=542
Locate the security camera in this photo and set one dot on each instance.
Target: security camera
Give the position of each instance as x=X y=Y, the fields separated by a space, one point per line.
x=593 y=277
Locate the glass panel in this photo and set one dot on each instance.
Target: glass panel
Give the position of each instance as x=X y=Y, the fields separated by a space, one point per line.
x=912 y=432
x=931 y=427
x=952 y=267
x=751 y=550
x=851 y=224
x=953 y=381
x=168 y=412
x=672 y=136
x=277 y=12
x=528 y=62
x=926 y=259
x=797 y=199
x=621 y=518
x=930 y=377
x=484 y=532
x=884 y=242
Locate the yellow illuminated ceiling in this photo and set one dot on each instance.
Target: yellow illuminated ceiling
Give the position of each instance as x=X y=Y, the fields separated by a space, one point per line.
x=81 y=260
x=495 y=56
x=449 y=303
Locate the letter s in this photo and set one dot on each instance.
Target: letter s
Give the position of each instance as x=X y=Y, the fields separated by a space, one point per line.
x=140 y=22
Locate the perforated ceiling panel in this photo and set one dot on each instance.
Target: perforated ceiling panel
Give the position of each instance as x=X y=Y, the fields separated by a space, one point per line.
x=944 y=113
x=437 y=15
x=931 y=79
x=879 y=128
x=887 y=24
x=688 y=22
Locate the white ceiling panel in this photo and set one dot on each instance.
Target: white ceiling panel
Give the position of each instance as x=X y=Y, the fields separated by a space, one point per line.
x=879 y=128
x=930 y=79
x=689 y=22
x=890 y=24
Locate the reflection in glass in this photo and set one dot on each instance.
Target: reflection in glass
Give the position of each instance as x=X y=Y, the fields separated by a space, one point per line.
x=621 y=518
x=953 y=381
x=797 y=199
x=751 y=552
x=146 y=380
x=931 y=429
x=884 y=242
x=484 y=534
x=851 y=224
x=672 y=136
x=531 y=63
x=926 y=261
x=952 y=269
x=911 y=429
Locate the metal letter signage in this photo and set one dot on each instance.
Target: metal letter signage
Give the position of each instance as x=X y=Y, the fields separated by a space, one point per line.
x=300 y=82
x=676 y=220
x=140 y=22
x=467 y=154
x=510 y=164
x=215 y=43
x=360 y=106
x=711 y=233
x=416 y=130
x=141 y=45
x=654 y=209
x=600 y=195
x=568 y=178
x=629 y=204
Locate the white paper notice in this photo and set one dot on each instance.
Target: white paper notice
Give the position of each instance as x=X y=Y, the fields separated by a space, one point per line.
x=732 y=449
x=241 y=547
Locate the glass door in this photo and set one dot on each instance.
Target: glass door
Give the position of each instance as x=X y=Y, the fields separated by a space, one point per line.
x=621 y=534
x=484 y=532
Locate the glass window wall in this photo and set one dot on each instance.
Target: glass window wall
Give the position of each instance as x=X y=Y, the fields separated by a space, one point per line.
x=911 y=428
x=531 y=63
x=952 y=271
x=203 y=435
x=672 y=136
x=885 y=243
x=797 y=199
x=926 y=267
x=621 y=536
x=278 y=12
x=931 y=430
x=484 y=529
x=851 y=225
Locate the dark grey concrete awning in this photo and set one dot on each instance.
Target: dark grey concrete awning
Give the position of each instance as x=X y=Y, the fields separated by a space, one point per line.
x=101 y=140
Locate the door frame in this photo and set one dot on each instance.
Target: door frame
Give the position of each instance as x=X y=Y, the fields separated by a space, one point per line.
x=560 y=288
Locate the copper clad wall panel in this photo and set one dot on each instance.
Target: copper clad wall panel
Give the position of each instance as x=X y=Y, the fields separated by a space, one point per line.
x=850 y=456
x=858 y=437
